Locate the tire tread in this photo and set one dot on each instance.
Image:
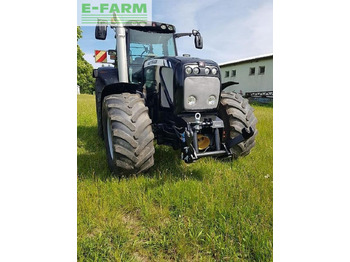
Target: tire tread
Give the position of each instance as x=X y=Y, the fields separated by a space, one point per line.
x=237 y=114
x=132 y=134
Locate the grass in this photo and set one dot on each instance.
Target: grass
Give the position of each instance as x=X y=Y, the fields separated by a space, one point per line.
x=206 y=211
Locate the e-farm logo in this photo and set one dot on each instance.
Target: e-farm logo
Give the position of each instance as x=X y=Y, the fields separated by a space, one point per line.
x=127 y=12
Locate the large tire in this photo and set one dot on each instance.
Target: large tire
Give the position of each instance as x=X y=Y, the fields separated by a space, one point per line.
x=237 y=114
x=127 y=133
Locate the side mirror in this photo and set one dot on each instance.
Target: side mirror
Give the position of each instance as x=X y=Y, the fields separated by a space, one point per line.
x=112 y=54
x=101 y=30
x=198 y=39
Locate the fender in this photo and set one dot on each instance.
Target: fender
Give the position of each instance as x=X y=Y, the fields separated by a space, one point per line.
x=107 y=83
x=227 y=84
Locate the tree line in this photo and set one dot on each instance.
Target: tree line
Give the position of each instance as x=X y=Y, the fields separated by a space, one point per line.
x=84 y=69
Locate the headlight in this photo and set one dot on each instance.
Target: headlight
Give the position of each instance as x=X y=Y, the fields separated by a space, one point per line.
x=207 y=70
x=191 y=100
x=196 y=70
x=214 y=70
x=188 y=70
x=211 y=100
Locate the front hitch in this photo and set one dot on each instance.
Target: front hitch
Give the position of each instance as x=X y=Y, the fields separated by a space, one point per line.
x=190 y=152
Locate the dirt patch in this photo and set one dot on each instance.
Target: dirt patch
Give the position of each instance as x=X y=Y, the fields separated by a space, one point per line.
x=132 y=222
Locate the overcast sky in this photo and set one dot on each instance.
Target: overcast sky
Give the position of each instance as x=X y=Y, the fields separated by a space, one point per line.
x=231 y=29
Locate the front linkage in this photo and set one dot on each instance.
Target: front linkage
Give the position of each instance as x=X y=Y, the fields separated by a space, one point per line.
x=189 y=138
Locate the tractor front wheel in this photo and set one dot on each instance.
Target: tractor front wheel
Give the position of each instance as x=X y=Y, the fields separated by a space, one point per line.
x=127 y=133
x=237 y=114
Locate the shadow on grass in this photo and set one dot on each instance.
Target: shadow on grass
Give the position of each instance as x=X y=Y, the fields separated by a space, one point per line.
x=91 y=158
x=88 y=138
x=92 y=162
x=168 y=165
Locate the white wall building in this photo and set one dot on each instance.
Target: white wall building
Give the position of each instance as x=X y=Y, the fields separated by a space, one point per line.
x=254 y=74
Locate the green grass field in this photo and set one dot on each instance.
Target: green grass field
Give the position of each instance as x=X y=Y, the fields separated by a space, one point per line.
x=206 y=211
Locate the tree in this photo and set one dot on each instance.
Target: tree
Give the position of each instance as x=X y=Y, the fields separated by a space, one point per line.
x=84 y=69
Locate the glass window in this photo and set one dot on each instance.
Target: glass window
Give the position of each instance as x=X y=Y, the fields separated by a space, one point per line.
x=252 y=71
x=149 y=44
x=261 y=70
x=233 y=73
x=227 y=73
x=146 y=45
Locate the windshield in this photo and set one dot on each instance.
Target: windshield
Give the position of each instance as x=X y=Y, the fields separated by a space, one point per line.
x=145 y=45
x=149 y=44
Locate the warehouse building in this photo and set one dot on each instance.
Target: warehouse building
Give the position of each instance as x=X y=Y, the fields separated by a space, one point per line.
x=254 y=75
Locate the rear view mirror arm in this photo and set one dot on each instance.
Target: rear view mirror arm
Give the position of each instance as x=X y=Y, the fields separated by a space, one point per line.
x=182 y=34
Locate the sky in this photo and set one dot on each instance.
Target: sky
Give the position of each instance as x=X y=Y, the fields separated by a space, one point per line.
x=231 y=30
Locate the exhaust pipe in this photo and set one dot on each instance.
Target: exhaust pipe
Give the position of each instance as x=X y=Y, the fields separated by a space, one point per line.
x=121 y=52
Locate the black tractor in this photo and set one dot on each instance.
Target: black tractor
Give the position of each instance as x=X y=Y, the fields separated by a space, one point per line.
x=151 y=93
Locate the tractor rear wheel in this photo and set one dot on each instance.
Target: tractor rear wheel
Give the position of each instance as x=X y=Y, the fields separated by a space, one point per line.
x=127 y=133
x=237 y=114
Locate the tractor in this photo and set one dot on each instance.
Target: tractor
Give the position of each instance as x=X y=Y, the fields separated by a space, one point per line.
x=151 y=93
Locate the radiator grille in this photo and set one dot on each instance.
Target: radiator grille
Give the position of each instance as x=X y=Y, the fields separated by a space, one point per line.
x=201 y=88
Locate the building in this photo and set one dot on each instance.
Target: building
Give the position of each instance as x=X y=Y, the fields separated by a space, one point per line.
x=254 y=74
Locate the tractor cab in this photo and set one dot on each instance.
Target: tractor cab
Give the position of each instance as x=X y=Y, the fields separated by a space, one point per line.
x=145 y=44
